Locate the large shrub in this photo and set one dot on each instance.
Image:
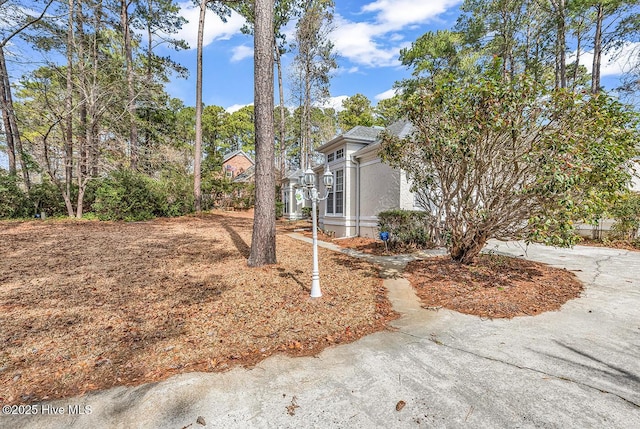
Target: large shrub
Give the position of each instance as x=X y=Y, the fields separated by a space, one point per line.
x=174 y=194
x=626 y=212
x=127 y=195
x=46 y=197
x=132 y=196
x=13 y=202
x=406 y=228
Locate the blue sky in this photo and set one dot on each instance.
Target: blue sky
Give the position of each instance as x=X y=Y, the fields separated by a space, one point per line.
x=368 y=36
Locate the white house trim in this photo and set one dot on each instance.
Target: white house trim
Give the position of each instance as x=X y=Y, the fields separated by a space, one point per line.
x=365 y=164
x=369 y=185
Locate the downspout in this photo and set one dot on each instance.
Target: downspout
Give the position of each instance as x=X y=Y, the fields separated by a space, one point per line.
x=357 y=162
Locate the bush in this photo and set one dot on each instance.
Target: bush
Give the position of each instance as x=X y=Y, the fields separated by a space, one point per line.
x=132 y=196
x=13 y=202
x=46 y=197
x=174 y=193
x=626 y=212
x=279 y=209
x=127 y=195
x=406 y=228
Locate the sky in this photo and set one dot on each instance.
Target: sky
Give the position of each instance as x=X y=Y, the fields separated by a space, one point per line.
x=367 y=37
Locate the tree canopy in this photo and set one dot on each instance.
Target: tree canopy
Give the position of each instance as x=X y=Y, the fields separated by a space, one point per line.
x=499 y=151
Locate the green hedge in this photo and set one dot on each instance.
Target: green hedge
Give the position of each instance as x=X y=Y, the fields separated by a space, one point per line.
x=13 y=201
x=46 y=197
x=132 y=196
x=406 y=228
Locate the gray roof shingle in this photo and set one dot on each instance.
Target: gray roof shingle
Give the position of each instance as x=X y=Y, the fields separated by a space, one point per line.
x=363 y=133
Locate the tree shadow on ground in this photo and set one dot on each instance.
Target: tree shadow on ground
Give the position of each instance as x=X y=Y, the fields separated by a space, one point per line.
x=237 y=240
x=600 y=369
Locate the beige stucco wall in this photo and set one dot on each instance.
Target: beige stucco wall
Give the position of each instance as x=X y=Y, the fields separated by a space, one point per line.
x=343 y=225
x=379 y=188
x=407 y=200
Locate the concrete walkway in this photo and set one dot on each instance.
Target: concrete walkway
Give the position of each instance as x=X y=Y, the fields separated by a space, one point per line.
x=575 y=368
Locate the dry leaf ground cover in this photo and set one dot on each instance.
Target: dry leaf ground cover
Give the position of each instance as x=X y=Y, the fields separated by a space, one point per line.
x=494 y=286
x=90 y=305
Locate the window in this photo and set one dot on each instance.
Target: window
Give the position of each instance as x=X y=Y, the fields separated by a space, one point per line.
x=287 y=195
x=340 y=153
x=339 y=184
x=335 y=199
x=330 y=157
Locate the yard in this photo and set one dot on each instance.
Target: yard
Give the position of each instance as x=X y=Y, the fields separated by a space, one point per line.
x=89 y=305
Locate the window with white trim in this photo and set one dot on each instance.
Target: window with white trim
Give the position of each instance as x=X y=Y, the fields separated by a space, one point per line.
x=340 y=153
x=286 y=202
x=335 y=199
x=330 y=157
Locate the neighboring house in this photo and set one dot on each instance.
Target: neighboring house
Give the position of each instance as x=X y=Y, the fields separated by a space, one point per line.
x=247 y=176
x=291 y=209
x=363 y=185
x=236 y=163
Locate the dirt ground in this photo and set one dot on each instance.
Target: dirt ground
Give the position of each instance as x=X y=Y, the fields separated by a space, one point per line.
x=493 y=287
x=88 y=305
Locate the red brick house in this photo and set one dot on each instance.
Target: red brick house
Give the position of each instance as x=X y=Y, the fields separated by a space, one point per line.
x=236 y=163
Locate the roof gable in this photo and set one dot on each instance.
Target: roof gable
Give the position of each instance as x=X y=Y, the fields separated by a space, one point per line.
x=230 y=155
x=359 y=134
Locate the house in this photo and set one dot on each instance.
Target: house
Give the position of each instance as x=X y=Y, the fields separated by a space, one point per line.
x=292 y=207
x=363 y=185
x=236 y=163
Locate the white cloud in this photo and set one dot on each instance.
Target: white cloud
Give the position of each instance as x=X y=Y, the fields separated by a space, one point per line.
x=356 y=41
x=214 y=28
x=395 y=14
x=335 y=102
x=387 y=94
x=376 y=42
x=613 y=63
x=241 y=52
x=236 y=107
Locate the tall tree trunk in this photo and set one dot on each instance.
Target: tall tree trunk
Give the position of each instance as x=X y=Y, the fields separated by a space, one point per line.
x=11 y=150
x=561 y=44
x=577 y=62
x=197 y=171
x=282 y=128
x=131 y=103
x=597 y=50
x=13 y=133
x=68 y=128
x=307 y=118
x=263 y=240
x=147 y=110
x=14 y=142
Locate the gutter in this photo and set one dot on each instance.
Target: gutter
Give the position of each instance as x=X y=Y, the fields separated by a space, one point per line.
x=357 y=162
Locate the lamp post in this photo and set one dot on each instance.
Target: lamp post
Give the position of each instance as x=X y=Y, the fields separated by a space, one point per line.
x=310 y=193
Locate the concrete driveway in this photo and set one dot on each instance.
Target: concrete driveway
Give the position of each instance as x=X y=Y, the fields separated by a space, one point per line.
x=575 y=368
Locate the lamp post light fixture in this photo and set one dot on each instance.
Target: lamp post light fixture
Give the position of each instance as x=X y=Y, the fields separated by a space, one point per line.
x=310 y=193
